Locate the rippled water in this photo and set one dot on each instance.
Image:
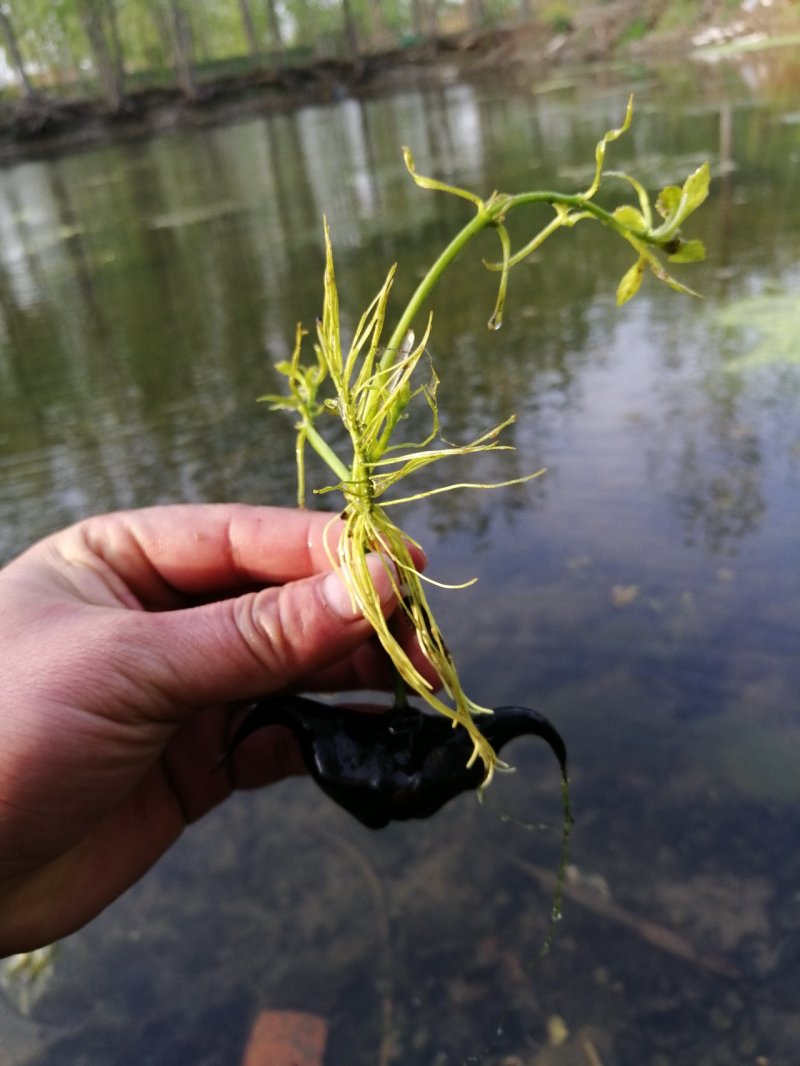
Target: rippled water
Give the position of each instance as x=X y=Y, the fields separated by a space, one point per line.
x=643 y=593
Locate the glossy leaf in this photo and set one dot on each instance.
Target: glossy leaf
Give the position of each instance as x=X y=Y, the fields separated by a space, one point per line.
x=631 y=281
x=689 y=252
x=668 y=200
x=675 y=205
x=603 y=143
x=630 y=217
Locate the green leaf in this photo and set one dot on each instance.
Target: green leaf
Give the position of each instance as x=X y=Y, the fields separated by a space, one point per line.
x=668 y=279
x=438 y=186
x=668 y=200
x=678 y=286
x=496 y=320
x=280 y=403
x=641 y=193
x=689 y=252
x=695 y=189
x=675 y=205
x=630 y=218
x=603 y=143
x=631 y=281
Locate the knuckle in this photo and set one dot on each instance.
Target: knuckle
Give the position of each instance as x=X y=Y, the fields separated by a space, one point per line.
x=266 y=631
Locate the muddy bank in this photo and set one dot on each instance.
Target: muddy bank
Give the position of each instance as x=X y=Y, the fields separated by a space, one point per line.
x=46 y=125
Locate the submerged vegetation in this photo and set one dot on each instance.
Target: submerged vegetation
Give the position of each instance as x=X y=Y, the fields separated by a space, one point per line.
x=368 y=385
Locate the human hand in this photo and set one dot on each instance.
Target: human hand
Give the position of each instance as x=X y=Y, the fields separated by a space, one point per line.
x=124 y=642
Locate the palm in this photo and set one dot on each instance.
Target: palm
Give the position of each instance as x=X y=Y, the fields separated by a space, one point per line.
x=134 y=638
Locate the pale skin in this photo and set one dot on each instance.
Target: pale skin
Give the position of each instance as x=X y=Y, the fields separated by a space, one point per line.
x=126 y=642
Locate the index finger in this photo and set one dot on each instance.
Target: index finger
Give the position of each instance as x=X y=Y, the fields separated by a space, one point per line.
x=197 y=549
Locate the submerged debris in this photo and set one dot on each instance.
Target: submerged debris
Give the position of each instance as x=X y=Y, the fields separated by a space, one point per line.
x=392 y=766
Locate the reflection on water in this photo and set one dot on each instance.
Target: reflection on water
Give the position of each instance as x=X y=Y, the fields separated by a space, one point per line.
x=643 y=593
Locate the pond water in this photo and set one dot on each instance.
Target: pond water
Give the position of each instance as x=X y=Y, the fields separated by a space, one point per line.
x=643 y=593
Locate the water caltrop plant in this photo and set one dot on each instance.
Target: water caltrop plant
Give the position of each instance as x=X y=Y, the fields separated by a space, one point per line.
x=367 y=386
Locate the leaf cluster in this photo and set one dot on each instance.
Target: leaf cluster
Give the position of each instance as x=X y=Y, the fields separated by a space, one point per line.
x=634 y=223
x=674 y=205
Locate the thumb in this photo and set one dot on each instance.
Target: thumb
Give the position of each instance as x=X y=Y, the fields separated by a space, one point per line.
x=257 y=643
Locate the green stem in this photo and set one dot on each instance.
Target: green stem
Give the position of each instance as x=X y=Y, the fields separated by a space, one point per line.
x=493 y=211
x=578 y=202
x=326 y=453
x=490 y=213
x=483 y=219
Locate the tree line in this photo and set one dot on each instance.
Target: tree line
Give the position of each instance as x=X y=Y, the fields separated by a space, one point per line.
x=107 y=47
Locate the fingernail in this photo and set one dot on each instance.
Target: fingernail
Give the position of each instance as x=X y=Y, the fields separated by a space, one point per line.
x=337 y=595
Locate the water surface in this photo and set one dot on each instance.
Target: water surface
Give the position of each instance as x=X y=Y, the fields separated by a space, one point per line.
x=643 y=593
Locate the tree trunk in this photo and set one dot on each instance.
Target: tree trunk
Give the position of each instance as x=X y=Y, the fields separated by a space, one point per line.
x=182 y=40
x=197 y=23
x=349 y=29
x=102 y=55
x=116 y=41
x=161 y=24
x=478 y=12
x=434 y=7
x=418 y=17
x=426 y=18
x=306 y=32
x=274 y=24
x=249 y=28
x=379 y=31
x=15 y=56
